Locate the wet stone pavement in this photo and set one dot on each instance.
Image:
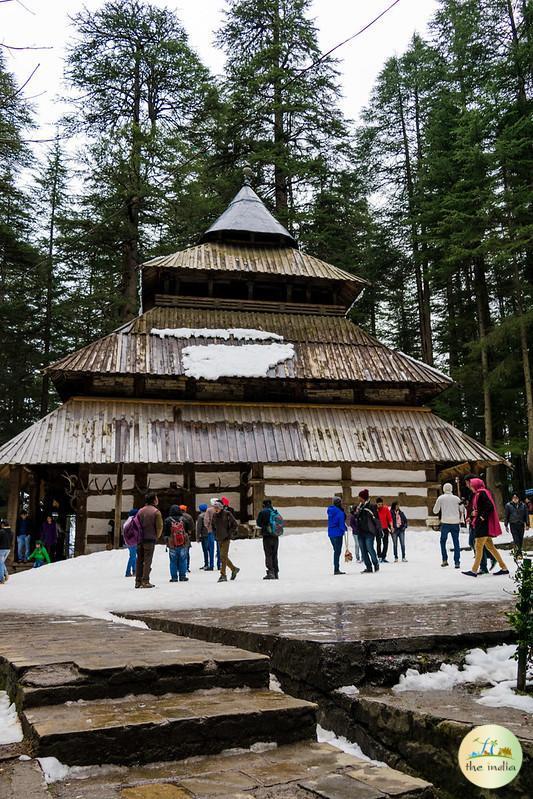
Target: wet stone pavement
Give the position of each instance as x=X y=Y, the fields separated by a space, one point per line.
x=330 y=645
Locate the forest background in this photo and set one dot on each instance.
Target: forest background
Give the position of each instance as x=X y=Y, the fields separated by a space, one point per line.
x=429 y=196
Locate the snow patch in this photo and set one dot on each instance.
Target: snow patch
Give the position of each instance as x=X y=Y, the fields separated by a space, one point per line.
x=328 y=737
x=53 y=769
x=274 y=684
x=239 y=333
x=213 y=361
x=10 y=729
x=504 y=695
x=348 y=690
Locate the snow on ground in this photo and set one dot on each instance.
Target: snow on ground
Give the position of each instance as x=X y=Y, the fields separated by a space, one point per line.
x=241 y=333
x=329 y=737
x=496 y=667
x=212 y=361
x=94 y=585
x=10 y=729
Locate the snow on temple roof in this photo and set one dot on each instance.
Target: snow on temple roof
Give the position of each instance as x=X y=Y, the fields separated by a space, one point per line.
x=247 y=218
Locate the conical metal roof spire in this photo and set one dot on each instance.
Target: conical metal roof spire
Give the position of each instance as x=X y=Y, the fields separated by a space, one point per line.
x=247 y=219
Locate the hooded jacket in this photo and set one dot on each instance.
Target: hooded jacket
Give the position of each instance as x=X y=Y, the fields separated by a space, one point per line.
x=449 y=506
x=175 y=514
x=336 y=521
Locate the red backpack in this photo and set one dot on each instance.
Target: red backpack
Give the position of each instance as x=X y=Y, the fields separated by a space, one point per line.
x=177 y=534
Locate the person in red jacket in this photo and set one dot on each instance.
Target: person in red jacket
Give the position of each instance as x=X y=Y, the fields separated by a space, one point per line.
x=386 y=525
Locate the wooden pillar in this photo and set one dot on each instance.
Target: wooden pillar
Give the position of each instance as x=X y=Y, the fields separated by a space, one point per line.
x=259 y=487
x=118 y=505
x=346 y=474
x=189 y=486
x=34 y=507
x=140 y=486
x=80 y=542
x=13 y=496
x=244 y=471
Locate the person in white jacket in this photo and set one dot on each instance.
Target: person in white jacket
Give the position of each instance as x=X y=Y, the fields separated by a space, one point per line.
x=451 y=512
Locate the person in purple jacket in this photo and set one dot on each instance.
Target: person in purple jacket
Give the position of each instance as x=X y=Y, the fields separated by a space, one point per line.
x=49 y=536
x=336 y=530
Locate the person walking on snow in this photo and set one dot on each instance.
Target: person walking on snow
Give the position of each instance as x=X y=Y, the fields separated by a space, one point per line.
x=130 y=534
x=368 y=529
x=39 y=555
x=151 y=523
x=486 y=527
x=385 y=519
x=336 y=530
x=6 y=542
x=399 y=526
x=352 y=521
x=23 y=537
x=177 y=532
x=516 y=518
x=270 y=540
x=209 y=521
x=450 y=508
x=202 y=534
x=225 y=525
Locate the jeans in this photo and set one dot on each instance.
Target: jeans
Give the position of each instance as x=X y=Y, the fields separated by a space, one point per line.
x=38 y=564
x=398 y=535
x=270 y=548
x=178 y=562
x=356 y=547
x=23 y=547
x=368 y=552
x=383 y=544
x=336 y=543
x=453 y=530
x=517 y=531
x=205 y=551
x=132 y=561
x=3 y=568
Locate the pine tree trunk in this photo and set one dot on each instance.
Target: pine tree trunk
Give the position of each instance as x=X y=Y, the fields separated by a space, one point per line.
x=423 y=304
x=47 y=331
x=131 y=242
x=281 y=189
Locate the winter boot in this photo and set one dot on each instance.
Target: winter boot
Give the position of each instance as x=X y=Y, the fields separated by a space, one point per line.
x=235 y=572
x=222 y=579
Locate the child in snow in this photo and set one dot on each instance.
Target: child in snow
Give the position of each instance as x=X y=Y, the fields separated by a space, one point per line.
x=39 y=555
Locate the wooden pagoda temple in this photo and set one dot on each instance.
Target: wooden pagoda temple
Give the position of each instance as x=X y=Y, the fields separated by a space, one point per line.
x=243 y=376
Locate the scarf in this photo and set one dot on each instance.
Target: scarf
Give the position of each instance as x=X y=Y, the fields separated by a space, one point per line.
x=493 y=522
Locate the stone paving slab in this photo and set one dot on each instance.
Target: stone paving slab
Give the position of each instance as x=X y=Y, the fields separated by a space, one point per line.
x=329 y=645
x=79 y=657
x=296 y=771
x=22 y=780
x=147 y=728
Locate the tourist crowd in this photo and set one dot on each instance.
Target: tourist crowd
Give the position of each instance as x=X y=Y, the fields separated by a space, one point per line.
x=373 y=524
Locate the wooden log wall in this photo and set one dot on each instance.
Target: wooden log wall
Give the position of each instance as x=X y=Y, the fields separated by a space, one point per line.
x=300 y=492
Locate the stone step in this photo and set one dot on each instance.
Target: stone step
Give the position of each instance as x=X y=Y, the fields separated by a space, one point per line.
x=81 y=658
x=143 y=729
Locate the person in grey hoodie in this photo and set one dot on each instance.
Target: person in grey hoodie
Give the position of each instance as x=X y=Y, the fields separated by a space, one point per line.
x=451 y=512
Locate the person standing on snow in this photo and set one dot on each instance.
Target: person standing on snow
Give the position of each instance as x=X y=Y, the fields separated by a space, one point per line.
x=225 y=525
x=177 y=532
x=385 y=519
x=202 y=534
x=450 y=508
x=352 y=521
x=130 y=534
x=399 y=526
x=516 y=518
x=209 y=521
x=368 y=529
x=336 y=530
x=270 y=540
x=486 y=526
x=151 y=523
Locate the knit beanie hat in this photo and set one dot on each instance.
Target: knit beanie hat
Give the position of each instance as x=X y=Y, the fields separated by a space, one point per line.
x=364 y=494
x=202 y=507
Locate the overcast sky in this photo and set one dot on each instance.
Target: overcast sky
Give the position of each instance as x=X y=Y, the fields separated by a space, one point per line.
x=46 y=23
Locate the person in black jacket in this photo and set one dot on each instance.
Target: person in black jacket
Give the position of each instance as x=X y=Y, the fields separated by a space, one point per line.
x=270 y=541
x=399 y=526
x=6 y=542
x=368 y=528
x=178 y=555
x=516 y=518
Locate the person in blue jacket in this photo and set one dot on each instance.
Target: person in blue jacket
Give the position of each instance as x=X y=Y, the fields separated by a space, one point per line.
x=336 y=530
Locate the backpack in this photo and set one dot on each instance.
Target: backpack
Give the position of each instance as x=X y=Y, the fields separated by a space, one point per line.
x=132 y=531
x=177 y=536
x=276 y=522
